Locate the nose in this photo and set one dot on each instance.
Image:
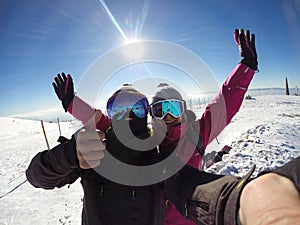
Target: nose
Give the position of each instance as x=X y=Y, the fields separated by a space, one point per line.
x=168 y=116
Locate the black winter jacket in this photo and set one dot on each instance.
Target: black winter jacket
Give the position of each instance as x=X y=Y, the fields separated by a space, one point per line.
x=105 y=202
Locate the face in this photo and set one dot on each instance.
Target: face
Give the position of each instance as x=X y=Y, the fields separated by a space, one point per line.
x=125 y=107
x=169 y=111
x=171 y=121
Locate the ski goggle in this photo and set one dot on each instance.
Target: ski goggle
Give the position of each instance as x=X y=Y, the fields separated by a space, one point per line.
x=174 y=107
x=119 y=106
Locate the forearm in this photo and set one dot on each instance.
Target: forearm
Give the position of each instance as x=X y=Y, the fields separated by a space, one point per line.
x=207 y=198
x=226 y=104
x=235 y=88
x=81 y=110
x=181 y=187
x=55 y=167
x=85 y=113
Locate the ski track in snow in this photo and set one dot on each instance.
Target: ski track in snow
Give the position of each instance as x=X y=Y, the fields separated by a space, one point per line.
x=264 y=132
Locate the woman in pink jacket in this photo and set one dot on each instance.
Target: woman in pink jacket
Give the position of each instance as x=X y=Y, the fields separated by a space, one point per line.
x=171 y=121
x=168 y=106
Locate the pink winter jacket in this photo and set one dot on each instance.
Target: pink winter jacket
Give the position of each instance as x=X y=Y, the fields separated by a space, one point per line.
x=216 y=117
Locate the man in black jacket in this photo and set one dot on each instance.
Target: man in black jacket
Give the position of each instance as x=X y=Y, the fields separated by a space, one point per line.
x=80 y=157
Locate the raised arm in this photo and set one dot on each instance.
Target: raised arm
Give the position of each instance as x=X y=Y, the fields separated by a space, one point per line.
x=226 y=104
x=64 y=88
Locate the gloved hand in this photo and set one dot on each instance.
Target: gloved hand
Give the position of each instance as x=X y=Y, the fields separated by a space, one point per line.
x=62 y=139
x=90 y=147
x=247 y=48
x=64 y=89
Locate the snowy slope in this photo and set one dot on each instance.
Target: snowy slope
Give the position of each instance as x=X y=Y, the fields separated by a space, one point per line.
x=265 y=131
x=20 y=140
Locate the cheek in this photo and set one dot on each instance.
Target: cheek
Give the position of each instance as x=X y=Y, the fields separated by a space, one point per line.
x=174 y=123
x=172 y=120
x=159 y=126
x=178 y=120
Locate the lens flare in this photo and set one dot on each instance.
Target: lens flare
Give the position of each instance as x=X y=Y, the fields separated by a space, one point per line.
x=135 y=25
x=112 y=18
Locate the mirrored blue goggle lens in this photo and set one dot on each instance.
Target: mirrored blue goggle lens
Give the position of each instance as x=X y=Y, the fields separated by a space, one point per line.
x=140 y=108
x=173 y=107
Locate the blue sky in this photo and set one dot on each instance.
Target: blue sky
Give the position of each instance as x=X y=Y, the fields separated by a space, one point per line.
x=42 y=38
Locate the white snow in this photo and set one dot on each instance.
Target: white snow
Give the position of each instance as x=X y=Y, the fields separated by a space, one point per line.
x=265 y=132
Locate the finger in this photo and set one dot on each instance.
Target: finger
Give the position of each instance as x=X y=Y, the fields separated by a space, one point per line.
x=70 y=79
x=87 y=134
x=242 y=38
x=54 y=86
x=57 y=81
x=64 y=77
x=59 y=78
x=94 y=163
x=90 y=156
x=92 y=145
x=87 y=154
x=87 y=165
x=253 y=39
x=90 y=139
x=248 y=36
x=236 y=36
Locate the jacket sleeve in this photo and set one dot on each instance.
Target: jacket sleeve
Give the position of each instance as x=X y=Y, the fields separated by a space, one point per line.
x=54 y=168
x=84 y=112
x=206 y=198
x=180 y=187
x=218 y=114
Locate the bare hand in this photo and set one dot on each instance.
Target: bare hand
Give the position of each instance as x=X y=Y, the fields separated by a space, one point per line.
x=90 y=148
x=270 y=199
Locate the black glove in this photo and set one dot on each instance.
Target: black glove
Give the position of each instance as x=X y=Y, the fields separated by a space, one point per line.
x=247 y=48
x=62 y=139
x=64 y=89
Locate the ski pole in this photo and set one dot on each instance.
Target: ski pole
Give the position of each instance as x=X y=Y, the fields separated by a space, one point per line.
x=45 y=134
x=58 y=126
x=12 y=190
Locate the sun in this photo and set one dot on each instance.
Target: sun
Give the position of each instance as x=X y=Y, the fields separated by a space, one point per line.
x=134 y=48
x=131 y=40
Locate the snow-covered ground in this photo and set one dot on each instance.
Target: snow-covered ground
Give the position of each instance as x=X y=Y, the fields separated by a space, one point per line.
x=265 y=132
